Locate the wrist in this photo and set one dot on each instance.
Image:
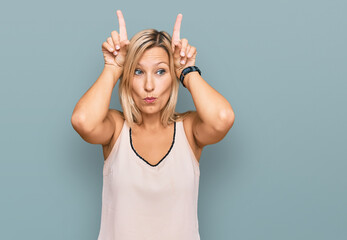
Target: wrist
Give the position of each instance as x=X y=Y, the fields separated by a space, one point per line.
x=188 y=71
x=112 y=67
x=188 y=77
x=116 y=71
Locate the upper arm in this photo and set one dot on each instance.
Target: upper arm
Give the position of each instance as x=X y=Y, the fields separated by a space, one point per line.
x=205 y=134
x=102 y=133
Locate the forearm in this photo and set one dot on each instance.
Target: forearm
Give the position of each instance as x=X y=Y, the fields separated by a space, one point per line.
x=93 y=106
x=211 y=106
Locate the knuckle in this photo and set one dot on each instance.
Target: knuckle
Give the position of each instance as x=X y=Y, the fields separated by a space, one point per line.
x=123 y=43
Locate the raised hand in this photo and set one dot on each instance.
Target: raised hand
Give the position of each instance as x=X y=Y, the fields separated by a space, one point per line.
x=116 y=46
x=184 y=54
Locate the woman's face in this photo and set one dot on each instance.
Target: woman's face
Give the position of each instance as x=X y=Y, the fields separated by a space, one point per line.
x=152 y=78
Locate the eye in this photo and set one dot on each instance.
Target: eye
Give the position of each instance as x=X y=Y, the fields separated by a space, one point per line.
x=162 y=70
x=137 y=70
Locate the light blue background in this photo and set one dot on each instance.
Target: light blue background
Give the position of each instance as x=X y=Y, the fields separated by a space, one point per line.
x=280 y=173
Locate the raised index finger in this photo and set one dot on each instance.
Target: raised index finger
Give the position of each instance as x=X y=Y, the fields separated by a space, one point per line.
x=122 y=28
x=177 y=27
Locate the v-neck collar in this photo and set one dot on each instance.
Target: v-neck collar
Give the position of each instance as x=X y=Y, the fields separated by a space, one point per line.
x=163 y=158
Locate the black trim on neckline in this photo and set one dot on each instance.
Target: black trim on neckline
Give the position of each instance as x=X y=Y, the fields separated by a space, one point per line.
x=172 y=144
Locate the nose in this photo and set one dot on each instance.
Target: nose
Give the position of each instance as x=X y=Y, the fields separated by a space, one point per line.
x=149 y=83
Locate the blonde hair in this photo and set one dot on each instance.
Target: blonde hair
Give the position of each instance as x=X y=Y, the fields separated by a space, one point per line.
x=139 y=43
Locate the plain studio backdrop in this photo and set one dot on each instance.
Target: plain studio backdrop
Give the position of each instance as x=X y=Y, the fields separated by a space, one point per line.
x=280 y=172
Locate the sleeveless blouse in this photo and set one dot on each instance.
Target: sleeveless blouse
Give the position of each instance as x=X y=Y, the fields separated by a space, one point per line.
x=141 y=201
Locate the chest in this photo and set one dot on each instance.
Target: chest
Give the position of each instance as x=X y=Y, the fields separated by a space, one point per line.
x=152 y=147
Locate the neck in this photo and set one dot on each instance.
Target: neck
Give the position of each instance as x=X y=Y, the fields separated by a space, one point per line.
x=151 y=122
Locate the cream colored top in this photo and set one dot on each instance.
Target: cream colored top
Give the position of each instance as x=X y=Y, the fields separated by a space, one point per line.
x=141 y=201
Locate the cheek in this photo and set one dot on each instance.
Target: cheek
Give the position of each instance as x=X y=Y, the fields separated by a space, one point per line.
x=135 y=91
x=167 y=84
x=166 y=93
x=169 y=88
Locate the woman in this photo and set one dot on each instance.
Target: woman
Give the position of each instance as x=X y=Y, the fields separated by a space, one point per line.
x=151 y=168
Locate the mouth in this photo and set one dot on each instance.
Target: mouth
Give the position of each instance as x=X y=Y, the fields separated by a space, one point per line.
x=150 y=99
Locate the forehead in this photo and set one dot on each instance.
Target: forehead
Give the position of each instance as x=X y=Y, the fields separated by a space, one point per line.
x=153 y=56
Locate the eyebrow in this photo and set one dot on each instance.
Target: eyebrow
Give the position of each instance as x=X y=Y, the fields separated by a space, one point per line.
x=155 y=64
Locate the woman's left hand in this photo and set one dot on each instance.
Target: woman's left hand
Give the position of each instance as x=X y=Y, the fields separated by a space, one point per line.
x=183 y=53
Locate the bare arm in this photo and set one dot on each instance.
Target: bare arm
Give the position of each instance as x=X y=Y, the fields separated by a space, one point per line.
x=214 y=116
x=92 y=118
x=92 y=109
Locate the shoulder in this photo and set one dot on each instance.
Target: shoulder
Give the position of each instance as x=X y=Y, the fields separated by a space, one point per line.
x=183 y=116
x=188 y=121
x=187 y=117
x=116 y=115
x=118 y=119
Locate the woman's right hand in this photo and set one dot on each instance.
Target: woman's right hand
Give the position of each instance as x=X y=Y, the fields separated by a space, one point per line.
x=116 y=46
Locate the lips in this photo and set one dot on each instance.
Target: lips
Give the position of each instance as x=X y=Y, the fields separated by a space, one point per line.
x=149 y=99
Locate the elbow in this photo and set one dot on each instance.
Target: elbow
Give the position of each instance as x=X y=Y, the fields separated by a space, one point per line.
x=78 y=122
x=226 y=120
